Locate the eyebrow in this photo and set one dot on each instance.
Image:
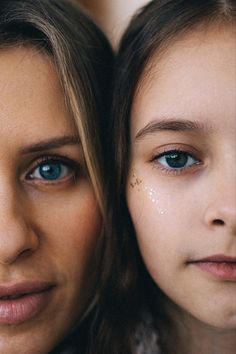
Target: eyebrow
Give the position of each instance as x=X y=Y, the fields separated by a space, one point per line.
x=52 y=143
x=175 y=125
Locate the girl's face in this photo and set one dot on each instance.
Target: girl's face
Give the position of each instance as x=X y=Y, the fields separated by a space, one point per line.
x=181 y=189
x=49 y=220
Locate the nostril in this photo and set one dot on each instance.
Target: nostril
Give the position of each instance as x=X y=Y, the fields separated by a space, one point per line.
x=218 y=222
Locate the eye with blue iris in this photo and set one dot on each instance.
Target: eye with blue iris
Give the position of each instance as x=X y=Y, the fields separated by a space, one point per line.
x=176 y=160
x=53 y=169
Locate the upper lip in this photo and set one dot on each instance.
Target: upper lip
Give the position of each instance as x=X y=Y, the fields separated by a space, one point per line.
x=24 y=288
x=218 y=258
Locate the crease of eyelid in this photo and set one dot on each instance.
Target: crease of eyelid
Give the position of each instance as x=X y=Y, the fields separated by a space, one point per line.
x=174 y=125
x=52 y=143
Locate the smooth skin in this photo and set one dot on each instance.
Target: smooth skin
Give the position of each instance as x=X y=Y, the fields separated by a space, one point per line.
x=49 y=219
x=184 y=207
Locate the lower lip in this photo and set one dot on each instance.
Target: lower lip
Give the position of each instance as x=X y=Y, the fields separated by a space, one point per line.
x=222 y=270
x=19 y=310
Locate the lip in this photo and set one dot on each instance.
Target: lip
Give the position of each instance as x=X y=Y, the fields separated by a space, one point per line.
x=219 y=258
x=220 y=266
x=22 y=301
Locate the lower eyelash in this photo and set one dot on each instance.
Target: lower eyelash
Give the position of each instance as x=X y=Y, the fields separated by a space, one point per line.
x=173 y=171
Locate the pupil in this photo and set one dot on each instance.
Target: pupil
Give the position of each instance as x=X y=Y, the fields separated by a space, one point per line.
x=177 y=160
x=51 y=171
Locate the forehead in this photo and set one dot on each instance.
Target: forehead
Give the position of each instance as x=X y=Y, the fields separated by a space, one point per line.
x=196 y=74
x=31 y=97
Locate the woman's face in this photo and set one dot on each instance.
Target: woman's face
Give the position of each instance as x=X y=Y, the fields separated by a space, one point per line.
x=49 y=219
x=181 y=189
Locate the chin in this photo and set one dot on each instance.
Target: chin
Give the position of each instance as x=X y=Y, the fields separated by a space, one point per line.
x=226 y=323
x=220 y=321
x=25 y=345
x=11 y=348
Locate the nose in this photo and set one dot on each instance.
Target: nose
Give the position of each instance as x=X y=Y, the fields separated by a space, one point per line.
x=221 y=216
x=17 y=238
x=221 y=210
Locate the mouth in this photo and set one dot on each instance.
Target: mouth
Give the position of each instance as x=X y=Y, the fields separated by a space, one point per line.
x=219 y=266
x=21 y=302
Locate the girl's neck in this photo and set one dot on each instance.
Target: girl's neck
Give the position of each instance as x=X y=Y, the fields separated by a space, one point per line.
x=181 y=333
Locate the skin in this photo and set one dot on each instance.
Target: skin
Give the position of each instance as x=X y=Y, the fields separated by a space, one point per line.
x=182 y=215
x=48 y=229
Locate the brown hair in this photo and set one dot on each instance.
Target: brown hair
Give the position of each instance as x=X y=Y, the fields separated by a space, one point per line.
x=83 y=59
x=127 y=284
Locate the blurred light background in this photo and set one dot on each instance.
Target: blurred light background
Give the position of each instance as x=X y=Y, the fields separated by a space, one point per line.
x=112 y=15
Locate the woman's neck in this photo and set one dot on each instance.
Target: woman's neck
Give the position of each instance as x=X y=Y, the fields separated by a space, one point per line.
x=181 y=333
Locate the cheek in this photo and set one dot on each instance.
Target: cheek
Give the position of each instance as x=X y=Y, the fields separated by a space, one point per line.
x=154 y=213
x=161 y=237
x=69 y=227
x=161 y=222
x=163 y=209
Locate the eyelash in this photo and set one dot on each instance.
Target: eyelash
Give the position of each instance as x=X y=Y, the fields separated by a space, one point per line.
x=175 y=170
x=54 y=160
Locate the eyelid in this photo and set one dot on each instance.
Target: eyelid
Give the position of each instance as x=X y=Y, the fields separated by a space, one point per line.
x=166 y=152
x=176 y=147
x=70 y=163
x=180 y=148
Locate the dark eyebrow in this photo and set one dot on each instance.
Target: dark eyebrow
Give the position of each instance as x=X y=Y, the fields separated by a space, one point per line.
x=52 y=143
x=170 y=125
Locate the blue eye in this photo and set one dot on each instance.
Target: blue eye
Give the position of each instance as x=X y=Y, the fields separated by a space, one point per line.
x=176 y=160
x=51 y=171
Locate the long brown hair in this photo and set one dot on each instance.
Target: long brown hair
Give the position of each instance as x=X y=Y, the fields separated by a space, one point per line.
x=127 y=284
x=83 y=59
